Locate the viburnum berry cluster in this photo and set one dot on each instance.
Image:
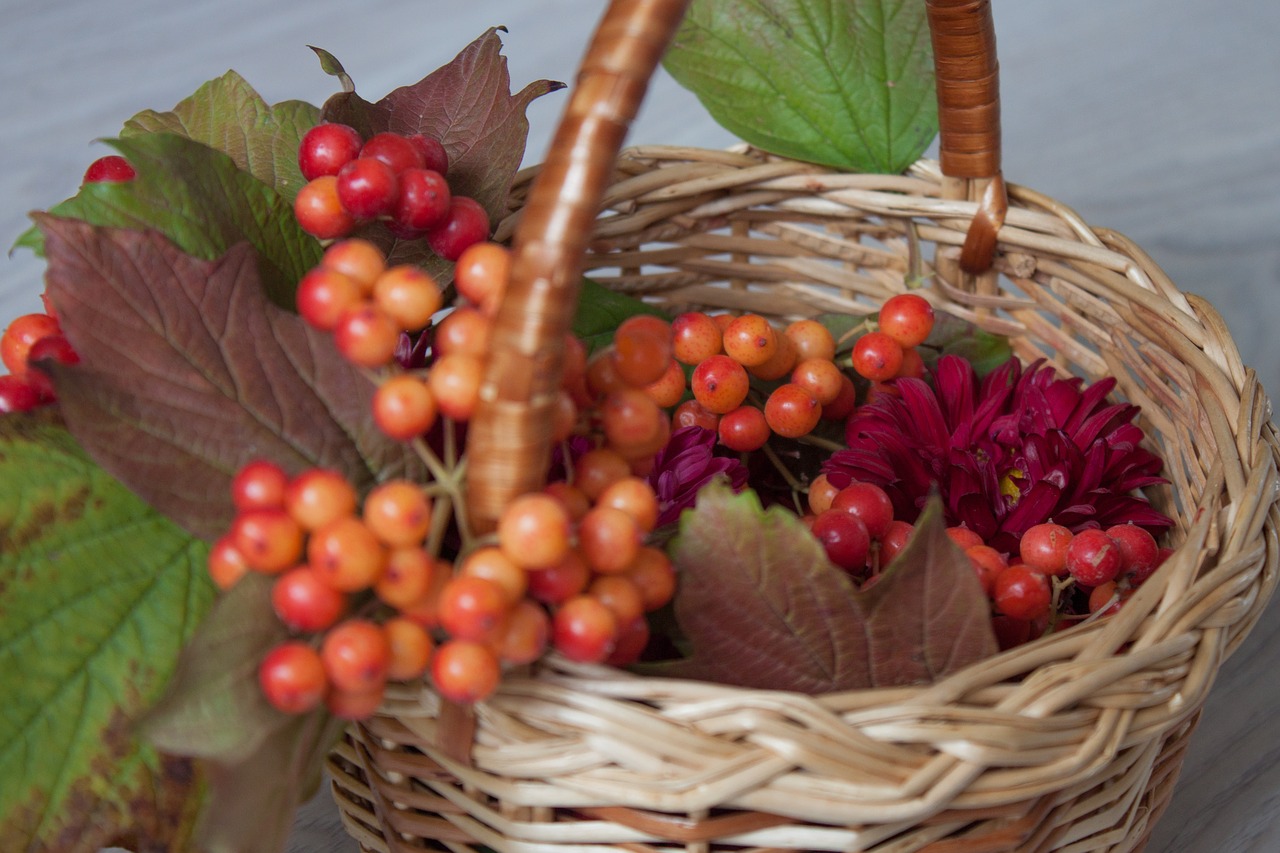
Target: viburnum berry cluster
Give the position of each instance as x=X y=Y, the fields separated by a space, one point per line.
x=390 y=178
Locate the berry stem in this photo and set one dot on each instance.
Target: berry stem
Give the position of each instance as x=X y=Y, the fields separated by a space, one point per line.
x=772 y=455
x=820 y=442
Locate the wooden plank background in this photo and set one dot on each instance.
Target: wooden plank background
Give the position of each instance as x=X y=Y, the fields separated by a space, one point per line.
x=1158 y=118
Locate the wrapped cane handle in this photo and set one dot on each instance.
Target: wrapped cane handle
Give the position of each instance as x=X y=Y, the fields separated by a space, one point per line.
x=509 y=437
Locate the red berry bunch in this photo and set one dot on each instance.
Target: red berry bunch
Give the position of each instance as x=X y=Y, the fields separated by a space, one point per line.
x=29 y=339
x=392 y=178
x=727 y=352
x=334 y=560
x=904 y=322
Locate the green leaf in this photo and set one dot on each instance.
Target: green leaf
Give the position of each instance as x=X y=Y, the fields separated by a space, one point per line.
x=227 y=114
x=187 y=373
x=601 y=311
x=954 y=336
x=262 y=764
x=763 y=607
x=98 y=593
x=843 y=83
x=468 y=106
x=202 y=201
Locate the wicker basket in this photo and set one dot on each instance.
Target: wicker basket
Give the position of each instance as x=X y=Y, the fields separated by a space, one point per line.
x=1073 y=742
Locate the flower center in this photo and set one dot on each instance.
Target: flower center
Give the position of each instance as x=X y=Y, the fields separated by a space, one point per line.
x=1008 y=486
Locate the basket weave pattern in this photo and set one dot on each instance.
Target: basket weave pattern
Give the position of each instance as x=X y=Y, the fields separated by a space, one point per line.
x=1071 y=743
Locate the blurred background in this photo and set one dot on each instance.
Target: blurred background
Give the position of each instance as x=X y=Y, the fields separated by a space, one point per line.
x=1157 y=118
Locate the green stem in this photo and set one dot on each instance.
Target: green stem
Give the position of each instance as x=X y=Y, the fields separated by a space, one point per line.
x=820 y=442
x=772 y=455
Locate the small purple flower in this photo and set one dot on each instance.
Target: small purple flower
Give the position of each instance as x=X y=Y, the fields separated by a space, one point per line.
x=1005 y=453
x=684 y=466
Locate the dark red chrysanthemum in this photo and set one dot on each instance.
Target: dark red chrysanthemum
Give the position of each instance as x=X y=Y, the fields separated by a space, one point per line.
x=1013 y=450
x=685 y=465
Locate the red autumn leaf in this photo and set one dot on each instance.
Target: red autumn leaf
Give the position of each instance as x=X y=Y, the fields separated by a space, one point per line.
x=762 y=607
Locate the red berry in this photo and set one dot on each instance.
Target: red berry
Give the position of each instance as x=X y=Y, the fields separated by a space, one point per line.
x=324 y=295
x=1044 y=548
x=988 y=564
x=892 y=543
x=877 y=357
x=750 y=340
x=792 y=411
x=20 y=336
x=844 y=537
x=367 y=188
x=744 y=429
x=356 y=656
x=260 y=484
x=394 y=150
x=1138 y=549
x=584 y=629
x=868 y=502
x=424 y=200
x=109 y=169
x=319 y=210
x=720 y=384
x=695 y=337
x=465 y=671
x=53 y=348
x=1093 y=558
x=464 y=225
x=1022 y=593
x=907 y=318
x=292 y=677
x=326 y=148
x=306 y=603
x=434 y=157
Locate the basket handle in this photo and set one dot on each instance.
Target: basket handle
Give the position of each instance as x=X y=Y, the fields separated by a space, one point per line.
x=509 y=436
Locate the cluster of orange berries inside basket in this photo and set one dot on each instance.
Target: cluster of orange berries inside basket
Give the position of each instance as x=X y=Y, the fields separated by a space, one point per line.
x=364 y=586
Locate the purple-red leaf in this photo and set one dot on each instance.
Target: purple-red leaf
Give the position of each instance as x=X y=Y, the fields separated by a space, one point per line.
x=467 y=105
x=763 y=607
x=188 y=372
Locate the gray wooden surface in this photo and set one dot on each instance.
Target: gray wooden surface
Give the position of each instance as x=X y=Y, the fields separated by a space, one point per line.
x=1158 y=118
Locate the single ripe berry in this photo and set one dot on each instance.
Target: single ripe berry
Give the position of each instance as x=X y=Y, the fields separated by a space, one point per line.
x=609 y=539
x=358 y=259
x=270 y=540
x=410 y=646
x=406 y=578
x=811 y=339
x=844 y=538
x=434 y=157
x=109 y=169
x=560 y=582
x=750 y=340
x=821 y=494
x=744 y=429
x=20 y=336
x=481 y=273
x=306 y=603
x=356 y=656
x=394 y=150
x=964 y=537
x=260 y=484
x=226 y=563
x=404 y=407
x=398 y=512
x=620 y=595
x=844 y=403
x=472 y=607
x=465 y=671
x=326 y=148
x=907 y=318
x=597 y=469
x=669 y=390
x=892 y=543
x=868 y=502
x=641 y=349
x=319 y=496
x=691 y=413
x=988 y=564
x=534 y=531
x=18 y=395
x=367 y=188
x=1093 y=558
x=492 y=563
x=695 y=337
x=819 y=377
x=877 y=357
x=527 y=634
x=465 y=224
x=465 y=330
x=292 y=677
x=324 y=295
x=454 y=380
x=423 y=201
x=778 y=365
x=635 y=497
x=584 y=629
x=654 y=575
x=408 y=295
x=1044 y=547
x=1021 y=592
x=631 y=420
x=792 y=411
x=319 y=210
x=354 y=704
x=720 y=384
x=1138 y=549
x=366 y=336
x=346 y=554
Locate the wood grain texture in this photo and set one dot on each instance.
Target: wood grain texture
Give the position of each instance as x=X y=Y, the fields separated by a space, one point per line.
x=1157 y=118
